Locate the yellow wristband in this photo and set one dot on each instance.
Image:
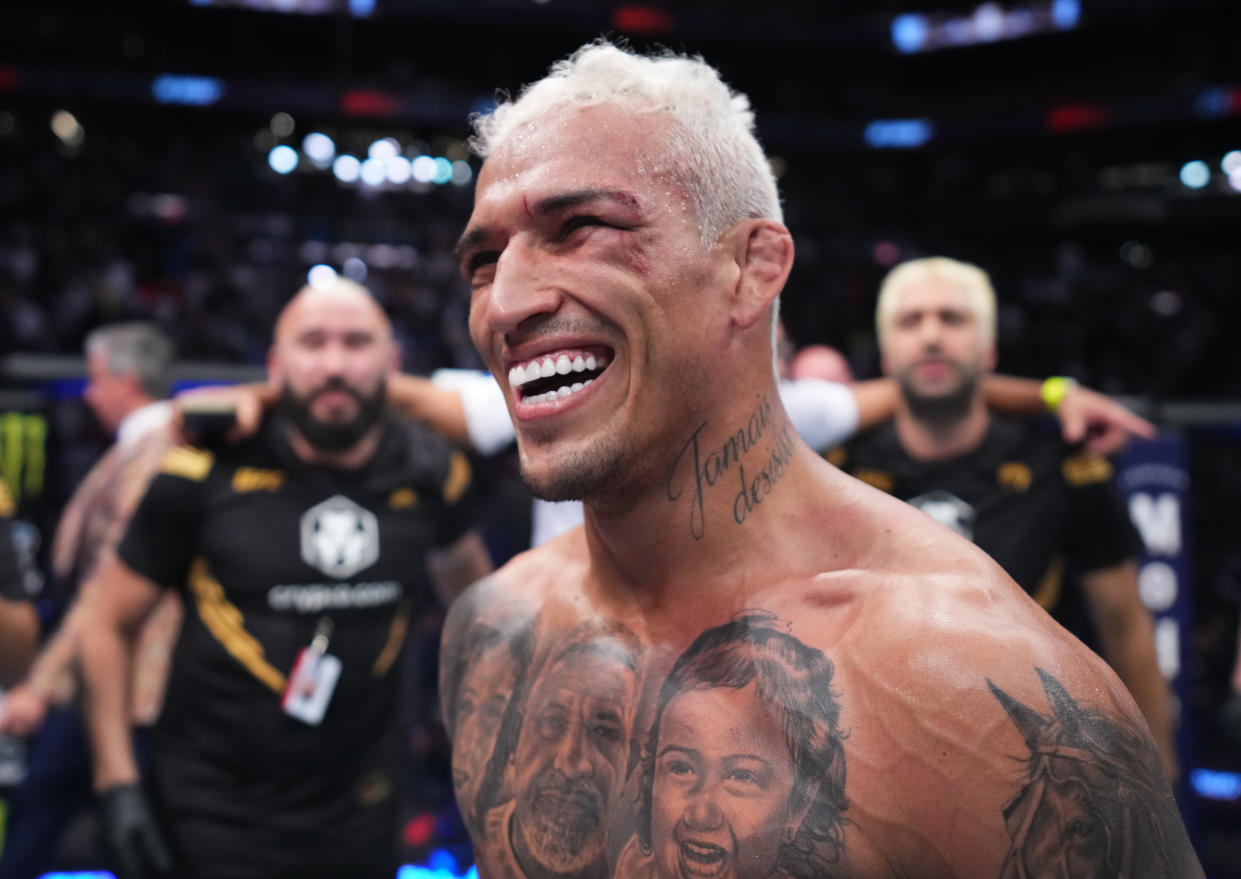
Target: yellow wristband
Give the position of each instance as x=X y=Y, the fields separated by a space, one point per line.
x=1054 y=390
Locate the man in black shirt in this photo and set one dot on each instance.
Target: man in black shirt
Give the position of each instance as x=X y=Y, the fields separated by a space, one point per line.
x=298 y=553
x=1030 y=500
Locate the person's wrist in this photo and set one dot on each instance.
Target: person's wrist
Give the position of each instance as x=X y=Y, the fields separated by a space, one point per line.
x=106 y=782
x=1054 y=390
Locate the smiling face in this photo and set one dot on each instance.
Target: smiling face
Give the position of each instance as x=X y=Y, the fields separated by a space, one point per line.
x=722 y=791
x=570 y=758
x=590 y=298
x=934 y=344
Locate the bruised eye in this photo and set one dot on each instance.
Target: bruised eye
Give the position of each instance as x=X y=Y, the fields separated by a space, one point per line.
x=572 y=224
x=479 y=260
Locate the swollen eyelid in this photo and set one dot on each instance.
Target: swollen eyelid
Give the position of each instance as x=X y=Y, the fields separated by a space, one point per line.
x=572 y=224
x=482 y=258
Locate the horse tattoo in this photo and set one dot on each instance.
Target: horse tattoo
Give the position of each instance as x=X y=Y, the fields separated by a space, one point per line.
x=1095 y=804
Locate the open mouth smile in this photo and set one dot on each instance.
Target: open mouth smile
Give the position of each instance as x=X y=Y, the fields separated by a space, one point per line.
x=557 y=374
x=701 y=859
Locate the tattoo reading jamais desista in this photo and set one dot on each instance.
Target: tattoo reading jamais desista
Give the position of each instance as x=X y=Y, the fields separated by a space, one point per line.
x=710 y=469
x=1095 y=802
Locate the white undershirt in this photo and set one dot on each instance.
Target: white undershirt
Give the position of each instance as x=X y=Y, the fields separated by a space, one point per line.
x=142 y=421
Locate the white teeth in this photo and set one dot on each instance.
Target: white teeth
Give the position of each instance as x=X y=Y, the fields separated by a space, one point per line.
x=547 y=367
x=558 y=393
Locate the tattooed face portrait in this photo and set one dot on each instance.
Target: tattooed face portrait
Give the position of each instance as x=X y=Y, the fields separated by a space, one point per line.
x=761 y=793
x=479 y=707
x=722 y=793
x=572 y=750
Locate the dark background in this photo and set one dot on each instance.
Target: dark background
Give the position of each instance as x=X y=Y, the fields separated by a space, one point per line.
x=1054 y=163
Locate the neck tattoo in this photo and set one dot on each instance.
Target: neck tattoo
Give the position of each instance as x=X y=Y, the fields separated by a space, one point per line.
x=711 y=467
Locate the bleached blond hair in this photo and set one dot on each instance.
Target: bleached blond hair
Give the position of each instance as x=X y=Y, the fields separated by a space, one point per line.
x=968 y=277
x=711 y=146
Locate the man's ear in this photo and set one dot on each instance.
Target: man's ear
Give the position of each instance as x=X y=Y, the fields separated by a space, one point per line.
x=764 y=253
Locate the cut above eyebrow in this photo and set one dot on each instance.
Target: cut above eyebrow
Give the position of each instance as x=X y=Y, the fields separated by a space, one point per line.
x=554 y=203
x=550 y=205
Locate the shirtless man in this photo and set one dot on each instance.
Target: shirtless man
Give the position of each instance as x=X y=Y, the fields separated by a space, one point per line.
x=829 y=684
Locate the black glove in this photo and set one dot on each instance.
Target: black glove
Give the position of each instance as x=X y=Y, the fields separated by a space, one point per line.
x=130 y=836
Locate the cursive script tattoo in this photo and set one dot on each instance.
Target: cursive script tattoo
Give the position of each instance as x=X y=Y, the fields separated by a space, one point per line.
x=755 y=490
x=711 y=467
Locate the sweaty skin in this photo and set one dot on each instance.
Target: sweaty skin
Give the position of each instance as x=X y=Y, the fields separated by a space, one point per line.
x=746 y=664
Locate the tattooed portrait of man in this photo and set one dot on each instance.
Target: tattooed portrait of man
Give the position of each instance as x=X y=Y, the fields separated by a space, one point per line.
x=571 y=756
x=625 y=257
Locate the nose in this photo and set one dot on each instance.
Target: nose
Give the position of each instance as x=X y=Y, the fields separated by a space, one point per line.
x=929 y=327
x=332 y=359
x=522 y=288
x=571 y=756
x=702 y=812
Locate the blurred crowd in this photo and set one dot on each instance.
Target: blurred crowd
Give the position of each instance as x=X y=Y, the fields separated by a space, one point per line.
x=166 y=220
x=193 y=229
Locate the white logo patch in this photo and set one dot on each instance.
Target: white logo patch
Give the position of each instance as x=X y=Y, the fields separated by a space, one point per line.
x=947 y=509
x=339 y=537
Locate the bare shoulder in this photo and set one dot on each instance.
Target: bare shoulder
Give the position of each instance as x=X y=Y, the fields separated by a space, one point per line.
x=1017 y=749
x=513 y=595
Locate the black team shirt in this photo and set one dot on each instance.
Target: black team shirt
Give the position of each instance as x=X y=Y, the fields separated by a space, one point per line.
x=263 y=548
x=1024 y=496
